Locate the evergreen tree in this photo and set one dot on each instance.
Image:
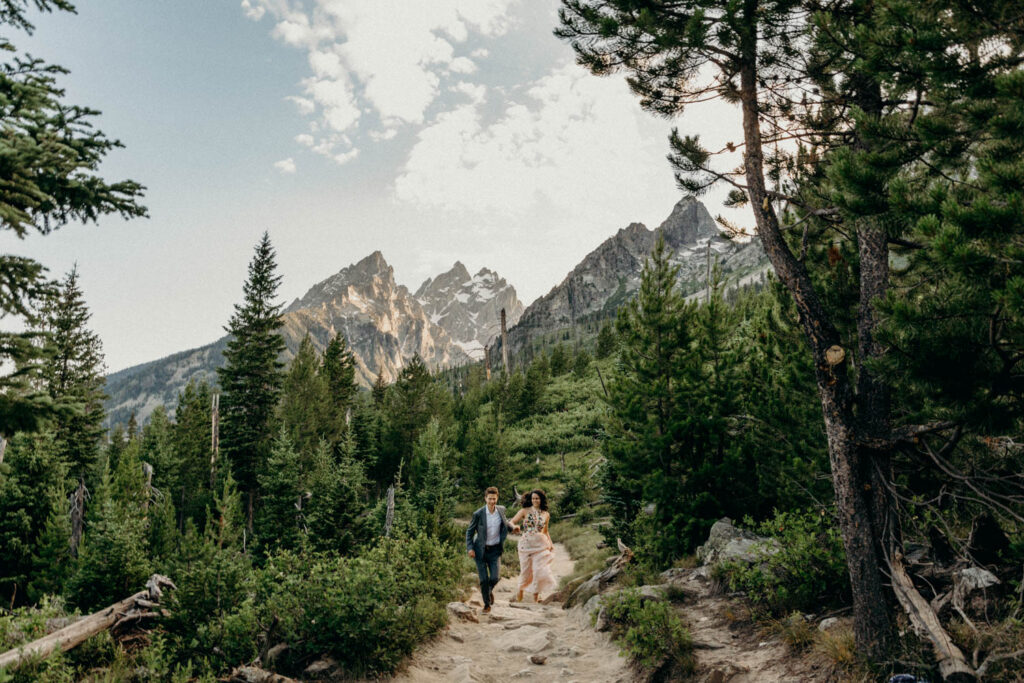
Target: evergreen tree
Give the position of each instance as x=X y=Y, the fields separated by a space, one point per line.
x=281 y=516
x=251 y=377
x=193 y=491
x=31 y=472
x=605 y=341
x=339 y=368
x=52 y=558
x=51 y=155
x=433 y=490
x=337 y=506
x=379 y=390
x=411 y=402
x=304 y=407
x=581 y=364
x=113 y=556
x=73 y=376
x=211 y=609
x=644 y=454
x=560 y=361
x=157 y=449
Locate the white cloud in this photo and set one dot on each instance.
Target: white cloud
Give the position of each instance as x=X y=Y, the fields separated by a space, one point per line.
x=479 y=53
x=386 y=134
x=345 y=157
x=305 y=139
x=285 y=165
x=573 y=141
x=253 y=12
x=385 y=57
x=306 y=106
x=476 y=93
x=462 y=65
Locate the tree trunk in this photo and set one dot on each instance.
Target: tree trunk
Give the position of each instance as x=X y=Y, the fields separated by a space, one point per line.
x=86 y=627
x=871 y=622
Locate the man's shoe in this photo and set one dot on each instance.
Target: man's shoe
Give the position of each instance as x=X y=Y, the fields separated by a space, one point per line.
x=487 y=610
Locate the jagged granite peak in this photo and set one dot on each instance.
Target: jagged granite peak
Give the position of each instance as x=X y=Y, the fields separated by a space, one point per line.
x=382 y=322
x=371 y=272
x=469 y=307
x=609 y=276
x=688 y=223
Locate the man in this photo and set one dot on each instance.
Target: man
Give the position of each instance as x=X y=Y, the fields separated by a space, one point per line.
x=485 y=537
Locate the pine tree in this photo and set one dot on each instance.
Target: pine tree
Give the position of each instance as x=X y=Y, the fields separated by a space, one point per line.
x=31 y=472
x=52 y=558
x=339 y=368
x=335 y=513
x=560 y=360
x=410 y=403
x=605 y=341
x=51 y=155
x=303 y=409
x=251 y=377
x=73 y=376
x=193 y=492
x=113 y=556
x=645 y=453
x=280 y=521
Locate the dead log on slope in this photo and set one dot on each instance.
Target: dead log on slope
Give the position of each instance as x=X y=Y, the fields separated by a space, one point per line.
x=254 y=674
x=129 y=610
x=953 y=665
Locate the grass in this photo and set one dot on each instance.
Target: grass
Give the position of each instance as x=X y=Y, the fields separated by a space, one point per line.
x=581 y=541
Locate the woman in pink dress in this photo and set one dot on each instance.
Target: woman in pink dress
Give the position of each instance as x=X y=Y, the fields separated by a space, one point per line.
x=535 y=546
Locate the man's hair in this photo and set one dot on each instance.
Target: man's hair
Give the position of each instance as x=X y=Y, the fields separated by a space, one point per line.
x=490 y=490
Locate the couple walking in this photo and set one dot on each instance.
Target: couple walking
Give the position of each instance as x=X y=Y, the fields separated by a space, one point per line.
x=485 y=537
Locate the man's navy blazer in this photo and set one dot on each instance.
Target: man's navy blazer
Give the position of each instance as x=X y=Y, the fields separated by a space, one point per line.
x=476 y=532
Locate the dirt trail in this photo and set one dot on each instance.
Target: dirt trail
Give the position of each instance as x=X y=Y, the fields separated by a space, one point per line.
x=729 y=647
x=499 y=646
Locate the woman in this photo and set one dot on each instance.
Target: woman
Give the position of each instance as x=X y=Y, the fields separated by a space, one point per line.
x=535 y=546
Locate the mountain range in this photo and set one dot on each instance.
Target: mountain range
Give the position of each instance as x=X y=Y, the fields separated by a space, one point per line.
x=453 y=317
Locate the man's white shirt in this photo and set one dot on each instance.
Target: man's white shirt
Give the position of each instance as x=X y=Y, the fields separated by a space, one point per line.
x=493 y=526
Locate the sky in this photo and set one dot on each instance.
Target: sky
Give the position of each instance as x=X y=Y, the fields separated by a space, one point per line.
x=431 y=130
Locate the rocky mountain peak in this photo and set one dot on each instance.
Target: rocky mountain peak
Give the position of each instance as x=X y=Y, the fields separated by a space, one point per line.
x=371 y=273
x=688 y=223
x=469 y=307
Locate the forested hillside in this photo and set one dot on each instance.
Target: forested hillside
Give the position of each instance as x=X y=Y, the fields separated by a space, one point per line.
x=860 y=409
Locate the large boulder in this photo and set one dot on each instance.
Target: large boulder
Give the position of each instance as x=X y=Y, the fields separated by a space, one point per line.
x=727 y=543
x=600 y=581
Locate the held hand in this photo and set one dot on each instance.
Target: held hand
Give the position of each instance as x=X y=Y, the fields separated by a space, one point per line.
x=515 y=528
x=472 y=553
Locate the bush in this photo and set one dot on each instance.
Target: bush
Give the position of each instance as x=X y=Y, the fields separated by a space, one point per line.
x=366 y=612
x=808 y=573
x=651 y=633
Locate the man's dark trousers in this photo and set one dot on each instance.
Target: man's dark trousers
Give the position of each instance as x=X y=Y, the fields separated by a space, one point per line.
x=487 y=566
x=486 y=556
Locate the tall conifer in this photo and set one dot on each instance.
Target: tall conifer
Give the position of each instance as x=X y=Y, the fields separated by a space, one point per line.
x=251 y=378
x=74 y=376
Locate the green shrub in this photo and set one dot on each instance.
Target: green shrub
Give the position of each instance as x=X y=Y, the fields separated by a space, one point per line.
x=807 y=573
x=651 y=633
x=367 y=612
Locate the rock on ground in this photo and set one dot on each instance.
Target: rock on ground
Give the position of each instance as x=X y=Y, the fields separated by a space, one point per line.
x=519 y=641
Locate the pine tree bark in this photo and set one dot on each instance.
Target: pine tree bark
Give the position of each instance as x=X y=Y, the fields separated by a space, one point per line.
x=852 y=489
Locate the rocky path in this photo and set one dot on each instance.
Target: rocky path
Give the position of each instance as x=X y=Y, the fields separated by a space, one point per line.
x=528 y=641
x=728 y=647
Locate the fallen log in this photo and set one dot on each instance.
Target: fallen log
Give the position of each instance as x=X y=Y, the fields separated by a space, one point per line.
x=254 y=674
x=953 y=666
x=88 y=626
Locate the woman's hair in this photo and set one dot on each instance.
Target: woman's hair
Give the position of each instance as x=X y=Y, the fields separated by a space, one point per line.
x=528 y=499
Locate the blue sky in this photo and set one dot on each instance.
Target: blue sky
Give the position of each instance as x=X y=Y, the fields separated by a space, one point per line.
x=435 y=131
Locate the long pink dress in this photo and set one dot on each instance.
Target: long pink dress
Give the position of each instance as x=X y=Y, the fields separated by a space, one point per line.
x=535 y=556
